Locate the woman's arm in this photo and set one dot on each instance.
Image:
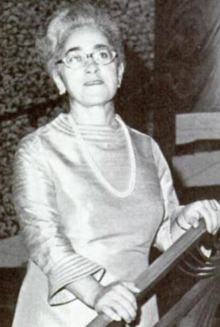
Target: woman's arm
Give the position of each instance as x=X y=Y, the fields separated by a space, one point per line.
x=189 y=216
x=35 y=204
x=178 y=219
x=165 y=238
x=116 y=300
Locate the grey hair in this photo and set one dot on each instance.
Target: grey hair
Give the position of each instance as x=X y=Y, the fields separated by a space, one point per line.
x=72 y=16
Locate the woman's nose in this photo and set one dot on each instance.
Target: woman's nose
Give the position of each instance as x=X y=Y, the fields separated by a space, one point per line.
x=91 y=66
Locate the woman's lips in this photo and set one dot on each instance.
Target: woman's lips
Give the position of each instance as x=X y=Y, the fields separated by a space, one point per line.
x=95 y=82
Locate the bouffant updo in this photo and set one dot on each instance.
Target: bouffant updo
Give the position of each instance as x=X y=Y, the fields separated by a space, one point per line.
x=70 y=17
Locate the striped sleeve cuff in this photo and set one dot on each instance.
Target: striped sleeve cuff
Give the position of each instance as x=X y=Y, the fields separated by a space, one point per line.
x=68 y=271
x=164 y=237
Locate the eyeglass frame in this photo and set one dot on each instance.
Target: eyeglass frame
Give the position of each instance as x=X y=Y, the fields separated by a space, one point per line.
x=87 y=56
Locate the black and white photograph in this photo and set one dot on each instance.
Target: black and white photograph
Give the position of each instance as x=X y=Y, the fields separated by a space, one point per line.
x=110 y=163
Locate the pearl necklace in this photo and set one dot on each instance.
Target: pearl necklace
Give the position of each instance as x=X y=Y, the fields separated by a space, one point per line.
x=97 y=172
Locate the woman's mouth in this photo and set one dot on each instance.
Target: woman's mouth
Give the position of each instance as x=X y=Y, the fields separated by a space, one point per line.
x=95 y=82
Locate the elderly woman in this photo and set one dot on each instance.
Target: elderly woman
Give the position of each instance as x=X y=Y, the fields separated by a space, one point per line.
x=92 y=195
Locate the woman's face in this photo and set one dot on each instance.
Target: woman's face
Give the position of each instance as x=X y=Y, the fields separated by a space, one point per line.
x=92 y=84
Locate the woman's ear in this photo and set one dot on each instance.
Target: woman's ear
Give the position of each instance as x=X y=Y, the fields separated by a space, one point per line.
x=121 y=69
x=59 y=82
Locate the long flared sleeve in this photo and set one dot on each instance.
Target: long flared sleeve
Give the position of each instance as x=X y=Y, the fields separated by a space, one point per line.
x=171 y=204
x=36 y=208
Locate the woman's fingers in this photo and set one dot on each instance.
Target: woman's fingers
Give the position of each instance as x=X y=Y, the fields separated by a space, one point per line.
x=128 y=303
x=132 y=287
x=124 y=290
x=116 y=307
x=124 y=310
x=215 y=204
x=111 y=313
x=216 y=207
x=210 y=220
x=118 y=301
x=209 y=210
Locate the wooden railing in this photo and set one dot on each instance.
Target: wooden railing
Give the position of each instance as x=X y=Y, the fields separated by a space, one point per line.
x=157 y=270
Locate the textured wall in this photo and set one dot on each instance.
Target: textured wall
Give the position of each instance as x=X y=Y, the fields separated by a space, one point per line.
x=27 y=96
x=188 y=49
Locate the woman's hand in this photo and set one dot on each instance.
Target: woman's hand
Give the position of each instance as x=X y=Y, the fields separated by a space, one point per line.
x=209 y=210
x=117 y=301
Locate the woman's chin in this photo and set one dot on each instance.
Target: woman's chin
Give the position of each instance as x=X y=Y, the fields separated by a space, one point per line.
x=97 y=100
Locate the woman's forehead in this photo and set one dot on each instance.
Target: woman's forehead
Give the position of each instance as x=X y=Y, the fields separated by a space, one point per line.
x=86 y=38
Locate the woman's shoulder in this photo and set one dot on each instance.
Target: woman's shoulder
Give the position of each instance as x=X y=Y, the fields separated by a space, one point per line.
x=35 y=138
x=32 y=139
x=145 y=143
x=142 y=137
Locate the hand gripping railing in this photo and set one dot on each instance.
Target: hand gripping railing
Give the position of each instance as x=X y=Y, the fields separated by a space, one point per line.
x=159 y=268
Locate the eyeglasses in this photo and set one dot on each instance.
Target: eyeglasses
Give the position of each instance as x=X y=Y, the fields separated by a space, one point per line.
x=75 y=58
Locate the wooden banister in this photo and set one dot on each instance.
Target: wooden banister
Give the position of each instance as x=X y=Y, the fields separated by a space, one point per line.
x=159 y=268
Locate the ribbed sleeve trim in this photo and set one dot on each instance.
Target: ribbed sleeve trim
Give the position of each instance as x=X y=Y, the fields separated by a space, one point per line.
x=164 y=236
x=68 y=271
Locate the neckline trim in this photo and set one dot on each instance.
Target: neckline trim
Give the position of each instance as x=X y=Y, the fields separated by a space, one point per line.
x=82 y=145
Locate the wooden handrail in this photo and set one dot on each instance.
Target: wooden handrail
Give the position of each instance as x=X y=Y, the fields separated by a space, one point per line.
x=159 y=268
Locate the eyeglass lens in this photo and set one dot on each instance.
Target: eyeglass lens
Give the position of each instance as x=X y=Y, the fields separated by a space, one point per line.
x=76 y=59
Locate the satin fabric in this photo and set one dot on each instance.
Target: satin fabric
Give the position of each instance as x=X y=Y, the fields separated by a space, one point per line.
x=74 y=227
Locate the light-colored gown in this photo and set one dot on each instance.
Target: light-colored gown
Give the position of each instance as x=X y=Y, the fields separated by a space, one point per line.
x=74 y=227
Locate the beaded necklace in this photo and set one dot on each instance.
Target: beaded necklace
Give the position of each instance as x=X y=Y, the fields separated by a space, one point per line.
x=95 y=169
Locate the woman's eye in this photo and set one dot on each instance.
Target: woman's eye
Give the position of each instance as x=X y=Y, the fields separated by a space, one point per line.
x=78 y=58
x=104 y=54
x=74 y=58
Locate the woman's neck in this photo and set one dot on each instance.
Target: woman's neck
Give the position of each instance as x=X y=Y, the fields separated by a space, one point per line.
x=95 y=115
